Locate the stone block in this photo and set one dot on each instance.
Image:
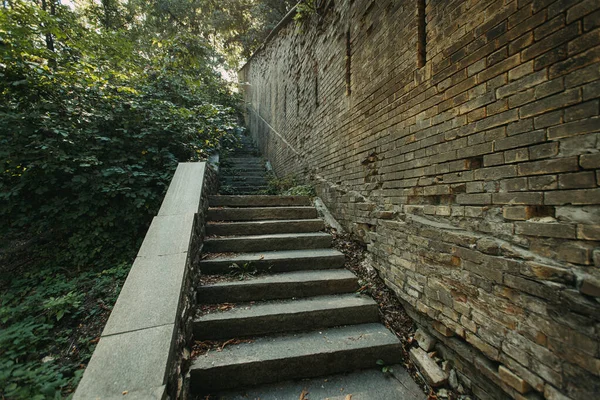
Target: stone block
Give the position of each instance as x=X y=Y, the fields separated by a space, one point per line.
x=547 y=272
x=432 y=373
x=425 y=340
x=556 y=230
x=576 y=253
x=590 y=285
x=513 y=380
x=588 y=232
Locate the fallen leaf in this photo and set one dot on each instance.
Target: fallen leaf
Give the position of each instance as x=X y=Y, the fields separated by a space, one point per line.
x=303 y=395
x=125 y=392
x=348 y=397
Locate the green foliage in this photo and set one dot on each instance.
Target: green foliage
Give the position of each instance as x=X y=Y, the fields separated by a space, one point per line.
x=305 y=10
x=98 y=107
x=243 y=271
x=289 y=186
x=92 y=142
x=386 y=369
x=45 y=319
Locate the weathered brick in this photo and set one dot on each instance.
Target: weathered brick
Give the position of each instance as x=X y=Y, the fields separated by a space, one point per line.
x=543 y=151
x=575 y=197
x=577 y=180
x=549 y=166
x=525 y=82
x=548 y=119
x=584 y=75
x=574 y=128
x=513 y=380
x=518 y=198
x=524 y=139
x=544 y=182
x=581 y=9
x=591 y=21
x=590 y=161
x=498 y=119
x=514 y=185
x=516 y=155
x=580 y=111
x=523 y=125
x=498 y=68
x=584 y=42
x=549 y=88
x=479 y=198
x=544 y=272
x=588 y=232
x=576 y=253
x=494 y=173
x=532 y=287
x=575 y=62
x=563 y=35
x=518 y=213
x=556 y=230
x=546 y=104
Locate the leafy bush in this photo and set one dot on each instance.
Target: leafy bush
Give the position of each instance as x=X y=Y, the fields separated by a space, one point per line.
x=93 y=121
x=91 y=133
x=46 y=319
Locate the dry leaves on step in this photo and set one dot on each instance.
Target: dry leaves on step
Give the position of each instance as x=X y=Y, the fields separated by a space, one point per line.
x=303 y=395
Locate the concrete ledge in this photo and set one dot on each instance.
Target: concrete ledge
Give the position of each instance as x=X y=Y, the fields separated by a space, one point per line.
x=168 y=235
x=138 y=353
x=185 y=190
x=150 y=296
x=132 y=361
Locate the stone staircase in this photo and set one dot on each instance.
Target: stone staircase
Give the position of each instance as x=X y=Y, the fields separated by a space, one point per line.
x=297 y=305
x=244 y=170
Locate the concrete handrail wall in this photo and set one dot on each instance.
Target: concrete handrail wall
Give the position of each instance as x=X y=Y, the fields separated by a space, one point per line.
x=138 y=352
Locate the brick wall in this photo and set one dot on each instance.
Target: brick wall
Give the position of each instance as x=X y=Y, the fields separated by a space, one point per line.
x=474 y=179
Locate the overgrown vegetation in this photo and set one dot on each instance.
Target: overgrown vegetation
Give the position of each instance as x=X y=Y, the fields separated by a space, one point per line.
x=99 y=103
x=289 y=186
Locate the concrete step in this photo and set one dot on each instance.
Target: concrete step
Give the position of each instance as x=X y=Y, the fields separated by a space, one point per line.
x=244 y=159
x=254 y=178
x=366 y=384
x=244 y=184
x=280 y=286
x=258 y=201
x=228 y=171
x=261 y=213
x=247 y=191
x=264 y=227
x=286 y=316
x=272 y=242
x=277 y=261
x=295 y=356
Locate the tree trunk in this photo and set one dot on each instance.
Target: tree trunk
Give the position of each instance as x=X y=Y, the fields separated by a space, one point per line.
x=49 y=37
